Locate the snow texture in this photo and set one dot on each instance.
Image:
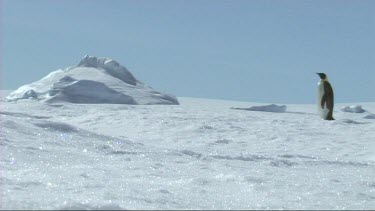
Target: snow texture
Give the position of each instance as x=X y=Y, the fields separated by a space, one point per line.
x=353 y=109
x=199 y=155
x=92 y=81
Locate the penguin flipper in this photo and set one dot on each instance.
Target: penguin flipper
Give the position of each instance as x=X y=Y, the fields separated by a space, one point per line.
x=328 y=92
x=323 y=101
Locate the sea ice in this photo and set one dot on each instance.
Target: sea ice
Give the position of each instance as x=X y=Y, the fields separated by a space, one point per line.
x=266 y=108
x=93 y=81
x=353 y=109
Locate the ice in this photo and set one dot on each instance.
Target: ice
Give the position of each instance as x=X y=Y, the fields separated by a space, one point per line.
x=93 y=81
x=111 y=67
x=353 y=109
x=266 y=108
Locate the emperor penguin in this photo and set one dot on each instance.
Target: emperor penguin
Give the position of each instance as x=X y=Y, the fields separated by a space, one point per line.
x=325 y=98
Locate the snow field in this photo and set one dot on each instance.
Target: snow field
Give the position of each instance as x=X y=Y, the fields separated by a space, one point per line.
x=198 y=155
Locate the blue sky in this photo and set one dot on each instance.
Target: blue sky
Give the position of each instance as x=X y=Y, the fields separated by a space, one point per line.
x=247 y=50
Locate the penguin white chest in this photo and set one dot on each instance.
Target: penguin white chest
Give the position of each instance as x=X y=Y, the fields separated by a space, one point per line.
x=322 y=111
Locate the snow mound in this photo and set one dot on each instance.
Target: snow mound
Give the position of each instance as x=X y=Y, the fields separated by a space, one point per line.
x=266 y=108
x=370 y=116
x=93 y=81
x=353 y=109
x=112 y=67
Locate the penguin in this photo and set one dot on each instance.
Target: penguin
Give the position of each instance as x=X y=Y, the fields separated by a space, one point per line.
x=325 y=98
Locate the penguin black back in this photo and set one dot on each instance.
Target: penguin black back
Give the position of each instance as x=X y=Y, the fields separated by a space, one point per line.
x=328 y=99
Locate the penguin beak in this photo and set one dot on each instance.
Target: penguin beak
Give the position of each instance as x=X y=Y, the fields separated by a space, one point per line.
x=322 y=75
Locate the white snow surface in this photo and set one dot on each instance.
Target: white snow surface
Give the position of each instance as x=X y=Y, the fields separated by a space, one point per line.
x=353 y=109
x=198 y=155
x=93 y=81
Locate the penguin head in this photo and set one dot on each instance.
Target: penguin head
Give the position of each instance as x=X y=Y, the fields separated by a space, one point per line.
x=322 y=76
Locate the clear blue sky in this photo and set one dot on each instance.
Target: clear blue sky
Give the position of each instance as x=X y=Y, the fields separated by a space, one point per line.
x=248 y=50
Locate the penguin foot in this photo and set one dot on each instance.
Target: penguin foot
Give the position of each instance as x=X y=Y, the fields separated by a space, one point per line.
x=329 y=118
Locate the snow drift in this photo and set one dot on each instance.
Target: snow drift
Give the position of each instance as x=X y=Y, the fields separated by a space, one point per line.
x=266 y=108
x=93 y=81
x=370 y=116
x=353 y=109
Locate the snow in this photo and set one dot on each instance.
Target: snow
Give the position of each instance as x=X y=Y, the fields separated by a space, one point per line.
x=353 y=109
x=197 y=155
x=370 y=116
x=94 y=80
x=266 y=108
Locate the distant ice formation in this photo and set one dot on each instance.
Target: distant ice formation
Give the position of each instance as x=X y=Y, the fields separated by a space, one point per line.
x=269 y=108
x=353 y=109
x=112 y=67
x=266 y=108
x=93 y=81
